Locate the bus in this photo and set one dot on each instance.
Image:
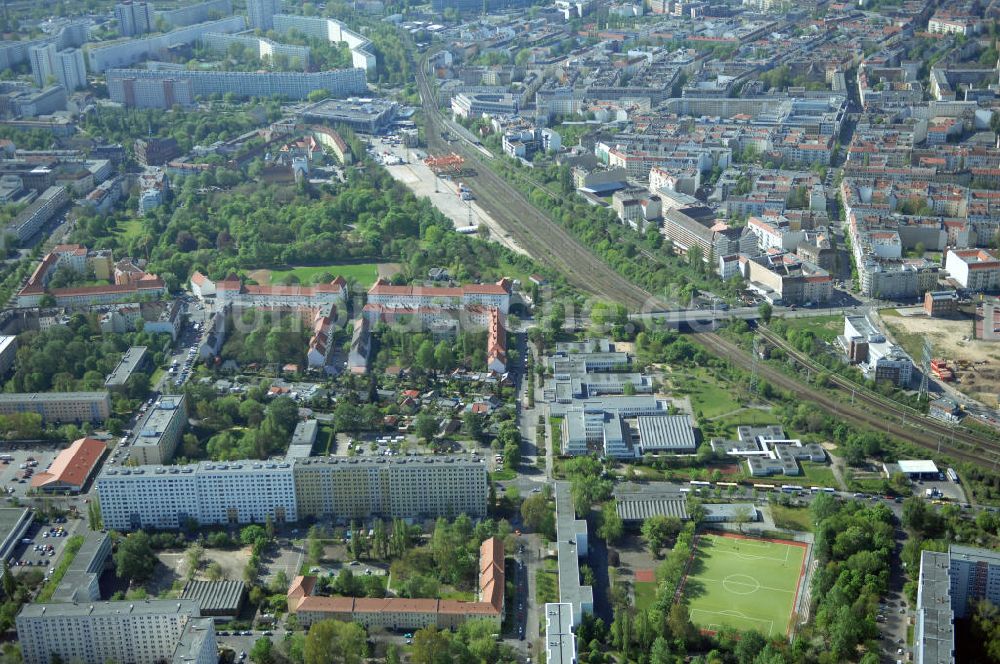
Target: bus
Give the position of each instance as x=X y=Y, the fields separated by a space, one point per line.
x=764 y=487
x=827 y=489
x=952 y=475
x=726 y=484
x=790 y=488
x=699 y=483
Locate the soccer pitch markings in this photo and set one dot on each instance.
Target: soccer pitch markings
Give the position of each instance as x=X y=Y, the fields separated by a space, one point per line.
x=744 y=583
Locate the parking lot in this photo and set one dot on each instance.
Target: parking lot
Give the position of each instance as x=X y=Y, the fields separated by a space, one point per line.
x=43 y=545
x=16 y=473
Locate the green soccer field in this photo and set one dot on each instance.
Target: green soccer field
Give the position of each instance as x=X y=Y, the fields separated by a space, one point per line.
x=744 y=583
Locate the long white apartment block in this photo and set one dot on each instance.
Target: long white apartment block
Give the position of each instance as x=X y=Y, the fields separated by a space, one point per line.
x=214 y=493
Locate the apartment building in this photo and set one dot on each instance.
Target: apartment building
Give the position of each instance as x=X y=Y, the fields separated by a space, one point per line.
x=159 y=92
x=487 y=295
x=134 y=18
x=165 y=497
x=103 y=57
x=948 y=585
x=126 y=86
x=398 y=613
x=232 y=291
x=211 y=493
x=263 y=48
x=783 y=278
x=31 y=220
x=352 y=488
x=260 y=13
x=159 y=432
x=65 y=67
x=59 y=406
x=975 y=269
x=362 y=54
x=197 y=13
x=136 y=358
x=142 y=632
x=974 y=575
x=496 y=342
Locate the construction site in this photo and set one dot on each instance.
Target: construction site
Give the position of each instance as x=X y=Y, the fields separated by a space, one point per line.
x=970 y=365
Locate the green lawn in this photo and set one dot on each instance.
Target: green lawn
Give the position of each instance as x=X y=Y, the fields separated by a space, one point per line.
x=645 y=594
x=364 y=273
x=791 y=518
x=819 y=474
x=825 y=327
x=503 y=475
x=813 y=474
x=746 y=416
x=129 y=230
x=547 y=583
x=744 y=583
x=708 y=396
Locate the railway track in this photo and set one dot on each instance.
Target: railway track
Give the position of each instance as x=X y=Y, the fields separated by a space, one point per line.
x=886 y=405
x=543 y=239
x=895 y=421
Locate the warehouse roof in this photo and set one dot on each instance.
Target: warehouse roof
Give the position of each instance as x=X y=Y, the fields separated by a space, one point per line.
x=215 y=596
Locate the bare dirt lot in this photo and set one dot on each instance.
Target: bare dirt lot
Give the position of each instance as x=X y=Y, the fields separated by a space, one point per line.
x=976 y=363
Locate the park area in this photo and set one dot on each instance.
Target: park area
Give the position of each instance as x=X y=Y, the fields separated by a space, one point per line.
x=744 y=583
x=364 y=273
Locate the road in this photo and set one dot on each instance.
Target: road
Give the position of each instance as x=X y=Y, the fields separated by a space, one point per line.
x=543 y=239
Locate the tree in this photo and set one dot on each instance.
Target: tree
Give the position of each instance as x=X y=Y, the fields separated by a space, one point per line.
x=443 y=358
x=425 y=359
x=611 y=527
x=335 y=641
x=253 y=535
x=538 y=515
x=9 y=582
x=134 y=559
x=472 y=424
x=766 y=311
x=742 y=515
x=262 y=651
x=426 y=426
x=94 y=515
x=657 y=531
x=430 y=646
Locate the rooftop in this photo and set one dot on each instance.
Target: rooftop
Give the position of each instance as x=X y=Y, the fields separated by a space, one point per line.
x=149 y=607
x=666 y=432
x=917 y=466
x=74 y=465
x=130 y=361
x=215 y=596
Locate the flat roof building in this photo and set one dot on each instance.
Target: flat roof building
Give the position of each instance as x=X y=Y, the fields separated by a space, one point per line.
x=142 y=632
x=135 y=359
x=560 y=641
x=220 y=600
x=59 y=406
x=155 y=439
x=637 y=502
x=303 y=439
x=571 y=545
x=82 y=580
x=666 y=433
x=250 y=491
x=366 y=116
